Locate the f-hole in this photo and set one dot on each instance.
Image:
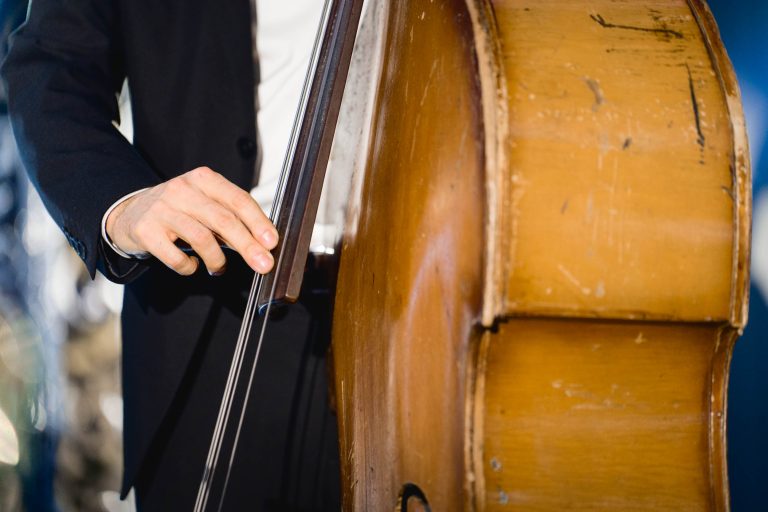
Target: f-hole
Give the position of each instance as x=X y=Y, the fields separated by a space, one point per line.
x=412 y=499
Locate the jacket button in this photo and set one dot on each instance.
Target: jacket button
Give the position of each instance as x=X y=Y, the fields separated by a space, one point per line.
x=246 y=147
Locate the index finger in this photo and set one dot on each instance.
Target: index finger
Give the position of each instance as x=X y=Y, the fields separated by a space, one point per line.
x=239 y=202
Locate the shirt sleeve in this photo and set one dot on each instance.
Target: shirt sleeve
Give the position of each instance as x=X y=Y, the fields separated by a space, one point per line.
x=105 y=236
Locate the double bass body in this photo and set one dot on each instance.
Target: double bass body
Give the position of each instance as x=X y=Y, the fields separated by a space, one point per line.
x=544 y=258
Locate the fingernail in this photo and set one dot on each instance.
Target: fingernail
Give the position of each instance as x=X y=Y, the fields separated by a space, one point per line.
x=261 y=260
x=219 y=272
x=270 y=239
x=264 y=262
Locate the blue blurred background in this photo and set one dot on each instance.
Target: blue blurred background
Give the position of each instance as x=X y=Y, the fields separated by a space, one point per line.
x=744 y=27
x=60 y=406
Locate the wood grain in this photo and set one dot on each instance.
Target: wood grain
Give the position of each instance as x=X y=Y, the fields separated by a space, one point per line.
x=586 y=415
x=409 y=289
x=621 y=151
x=544 y=266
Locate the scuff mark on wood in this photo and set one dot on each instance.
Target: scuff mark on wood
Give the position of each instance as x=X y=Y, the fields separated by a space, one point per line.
x=729 y=191
x=594 y=86
x=666 y=31
x=696 y=114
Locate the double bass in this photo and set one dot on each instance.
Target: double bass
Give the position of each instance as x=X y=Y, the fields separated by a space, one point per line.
x=544 y=265
x=543 y=261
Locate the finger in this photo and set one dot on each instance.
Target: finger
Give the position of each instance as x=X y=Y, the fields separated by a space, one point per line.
x=162 y=248
x=200 y=239
x=237 y=200
x=229 y=228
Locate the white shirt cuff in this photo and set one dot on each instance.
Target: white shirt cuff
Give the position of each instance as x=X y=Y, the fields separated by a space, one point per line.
x=130 y=256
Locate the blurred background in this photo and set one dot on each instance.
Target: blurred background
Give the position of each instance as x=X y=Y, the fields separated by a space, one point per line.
x=743 y=27
x=60 y=405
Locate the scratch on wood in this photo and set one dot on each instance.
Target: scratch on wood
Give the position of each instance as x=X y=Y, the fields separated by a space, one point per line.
x=696 y=114
x=667 y=31
x=594 y=86
x=728 y=191
x=570 y=277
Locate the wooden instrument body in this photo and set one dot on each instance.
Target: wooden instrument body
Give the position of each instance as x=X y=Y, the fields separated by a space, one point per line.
x=544 y=265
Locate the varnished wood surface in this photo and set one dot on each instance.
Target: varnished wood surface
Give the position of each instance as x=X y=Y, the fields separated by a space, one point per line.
x=622 y=193
x=620 y=182
x=409 y=287
x=586 y=415
x=544 y=264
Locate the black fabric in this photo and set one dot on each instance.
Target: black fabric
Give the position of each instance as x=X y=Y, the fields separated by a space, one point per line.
x=287 y=457
x=189 y=65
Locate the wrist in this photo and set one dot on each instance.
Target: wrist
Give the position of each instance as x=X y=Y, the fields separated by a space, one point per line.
x=111 y=229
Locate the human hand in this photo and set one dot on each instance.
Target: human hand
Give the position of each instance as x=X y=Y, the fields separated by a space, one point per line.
x=201 y=208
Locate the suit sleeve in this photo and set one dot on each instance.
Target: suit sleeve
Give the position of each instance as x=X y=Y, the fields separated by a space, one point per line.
x=62 y=76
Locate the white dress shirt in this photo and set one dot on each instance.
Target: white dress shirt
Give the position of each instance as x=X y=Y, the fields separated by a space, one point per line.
x=285 y=36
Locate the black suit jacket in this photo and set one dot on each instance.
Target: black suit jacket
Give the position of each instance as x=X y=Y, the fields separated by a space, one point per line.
x=190 y=69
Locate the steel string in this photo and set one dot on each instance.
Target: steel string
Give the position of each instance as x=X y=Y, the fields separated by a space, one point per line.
x=233 y=378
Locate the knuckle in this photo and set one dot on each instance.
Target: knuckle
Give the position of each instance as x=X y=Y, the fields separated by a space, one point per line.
x=242 y=201
x=200 y=237
x=142 y=230
x=156 y=208
x=225 y=220
x=202 y=172
x=173 y=187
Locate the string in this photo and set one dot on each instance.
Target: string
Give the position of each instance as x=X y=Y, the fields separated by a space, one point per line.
x=280 y=258
x=233 y=378
x=226 y=403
